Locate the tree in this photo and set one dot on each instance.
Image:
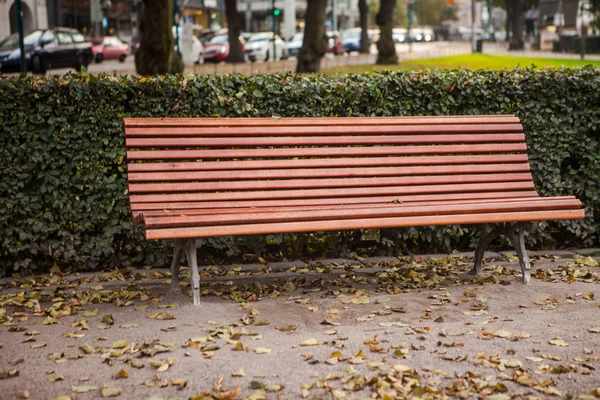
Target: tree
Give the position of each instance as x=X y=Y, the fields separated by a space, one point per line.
x=234 y=27
x=593 y=6
x=516 y=19
x=433 y=12
x=315 y=43
x=363 y=9
x=156 y=54
x=385 y=46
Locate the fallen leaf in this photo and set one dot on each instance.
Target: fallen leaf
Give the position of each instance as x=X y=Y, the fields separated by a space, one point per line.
x=594 y=330
x=91 y=313
x=56 y=378
x=239 y=373
x=110 y=392
x=120 y=344
x=262 y=350
x=310 y=342
x=558 y=342
x=180 y=383
x=161 y=316
x=122 y=374
x=49 y=321
x=83 y=389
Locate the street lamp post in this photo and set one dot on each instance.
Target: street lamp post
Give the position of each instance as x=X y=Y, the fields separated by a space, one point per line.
x=409 y=16
x=581 y=33
x=473 y=39
x=19 y=20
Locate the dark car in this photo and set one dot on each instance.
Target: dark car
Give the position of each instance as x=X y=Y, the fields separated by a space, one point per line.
x=46 y=48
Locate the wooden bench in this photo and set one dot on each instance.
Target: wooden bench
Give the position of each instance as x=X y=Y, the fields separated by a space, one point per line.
x=207 y=177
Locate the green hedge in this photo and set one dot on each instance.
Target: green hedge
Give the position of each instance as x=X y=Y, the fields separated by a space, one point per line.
x=62 y=182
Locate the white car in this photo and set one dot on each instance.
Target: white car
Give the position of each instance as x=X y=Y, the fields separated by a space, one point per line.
x=295 y=44
x=260 y=47
x=191 y=49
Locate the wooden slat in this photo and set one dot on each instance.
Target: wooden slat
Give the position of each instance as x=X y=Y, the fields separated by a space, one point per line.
x=399 y=191
x=318 y=121
x=157 y=209
x=322 y=152
x=326 y=162
x=176 y=176
x=382 y=211
x=325 y=140
x=370 y=223
x=325 y=183
x=323 y=130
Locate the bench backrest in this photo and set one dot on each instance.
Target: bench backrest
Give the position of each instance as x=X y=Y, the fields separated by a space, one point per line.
x=207 y=163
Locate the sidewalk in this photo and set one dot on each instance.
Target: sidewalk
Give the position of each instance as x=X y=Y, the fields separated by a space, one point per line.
x=323 y=329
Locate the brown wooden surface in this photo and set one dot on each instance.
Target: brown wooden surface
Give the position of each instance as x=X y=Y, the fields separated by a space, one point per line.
x=242 y=207
x=325 y=183
x=291 y=131
x=218 y=176
x=326 y=162
x=381 y=211
x=324 y=151
x=367 y=223
x=318 y=121
x=399 y=191
x=188 y=206
x=326 y=140
x=324 y=172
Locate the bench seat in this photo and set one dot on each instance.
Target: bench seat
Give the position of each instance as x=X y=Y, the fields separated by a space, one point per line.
x=208 y=177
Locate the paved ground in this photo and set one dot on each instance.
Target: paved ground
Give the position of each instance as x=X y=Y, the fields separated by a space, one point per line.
x=382 y=328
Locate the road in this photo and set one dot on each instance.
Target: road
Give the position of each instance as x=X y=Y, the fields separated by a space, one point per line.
x=419 y=50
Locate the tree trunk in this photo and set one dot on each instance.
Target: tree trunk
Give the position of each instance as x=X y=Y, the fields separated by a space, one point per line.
x=385 y=46
x=156 y=54
x=365 y=44
x=315 y=43
x=234 y=27
x=516 y=17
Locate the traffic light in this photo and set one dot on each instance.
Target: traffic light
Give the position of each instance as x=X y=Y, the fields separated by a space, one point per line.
x=276 y=12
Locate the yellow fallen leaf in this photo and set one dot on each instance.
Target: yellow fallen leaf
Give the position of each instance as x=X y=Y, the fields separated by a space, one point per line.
x=310 y=342
x=262 y=350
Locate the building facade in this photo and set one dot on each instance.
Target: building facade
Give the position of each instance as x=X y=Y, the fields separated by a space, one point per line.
x=34 y=16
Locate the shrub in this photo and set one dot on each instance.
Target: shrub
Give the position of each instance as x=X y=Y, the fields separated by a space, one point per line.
x=63 y=192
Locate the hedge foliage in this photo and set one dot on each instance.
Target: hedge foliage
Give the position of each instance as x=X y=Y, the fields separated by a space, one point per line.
x=63 y=194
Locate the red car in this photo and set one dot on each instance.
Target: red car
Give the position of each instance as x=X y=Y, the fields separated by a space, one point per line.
x=216 y=48
x=109 y=48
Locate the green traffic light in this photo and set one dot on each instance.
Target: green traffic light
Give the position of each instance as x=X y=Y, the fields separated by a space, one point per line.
x=276 y=12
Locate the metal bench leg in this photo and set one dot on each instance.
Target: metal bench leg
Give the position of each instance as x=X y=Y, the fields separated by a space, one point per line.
x=484 y=242
x=175 y=264
x=515 y=233
x=192 y=257
x=518 y=241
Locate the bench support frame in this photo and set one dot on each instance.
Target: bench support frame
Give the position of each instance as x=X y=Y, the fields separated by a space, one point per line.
x=515 y=232
x=190 y=248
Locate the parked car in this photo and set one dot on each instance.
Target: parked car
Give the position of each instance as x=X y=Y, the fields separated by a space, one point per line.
x=399 y=35
x=294 y=45
x=46 y=48
x=335 y=43
x=216 y=48
x=109 y=48
x=351 y=39
x=260 y=47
